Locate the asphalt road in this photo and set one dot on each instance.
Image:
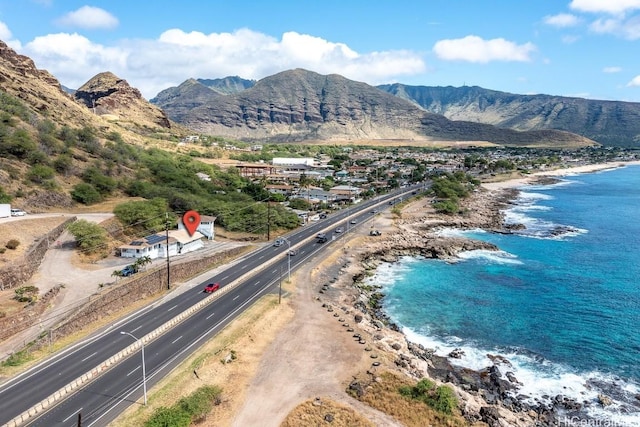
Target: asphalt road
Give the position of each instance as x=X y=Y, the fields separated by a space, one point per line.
x=105 y=398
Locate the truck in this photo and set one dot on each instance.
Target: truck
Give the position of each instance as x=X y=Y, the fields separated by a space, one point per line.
x=5 y=210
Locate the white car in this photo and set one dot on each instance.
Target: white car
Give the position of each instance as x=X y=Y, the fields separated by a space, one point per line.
x=18 y=212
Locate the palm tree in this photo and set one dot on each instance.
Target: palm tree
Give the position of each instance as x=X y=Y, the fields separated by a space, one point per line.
x=116 y=274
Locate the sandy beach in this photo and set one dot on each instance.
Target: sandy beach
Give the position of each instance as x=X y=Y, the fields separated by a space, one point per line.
x=512 y=183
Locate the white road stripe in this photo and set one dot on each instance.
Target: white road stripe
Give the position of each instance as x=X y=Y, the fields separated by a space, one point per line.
x=89 y=356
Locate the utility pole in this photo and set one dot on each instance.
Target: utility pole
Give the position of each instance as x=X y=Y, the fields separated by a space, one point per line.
x=166 y=229
x=268 y=220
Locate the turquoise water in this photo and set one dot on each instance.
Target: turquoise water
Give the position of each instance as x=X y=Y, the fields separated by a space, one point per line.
x=561 y=300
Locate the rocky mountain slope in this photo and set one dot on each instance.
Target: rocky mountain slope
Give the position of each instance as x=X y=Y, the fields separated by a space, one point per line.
x=613 y=123
x=299 y=105
x=111 y=97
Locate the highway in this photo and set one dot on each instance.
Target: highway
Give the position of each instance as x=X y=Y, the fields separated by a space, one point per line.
x=102 y=400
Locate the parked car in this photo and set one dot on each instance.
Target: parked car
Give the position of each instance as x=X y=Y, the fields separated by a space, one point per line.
x=18 y=212
x=374 y=233
x=323 y=216
x=128 y=271
x=211 y=287
x=278 y=242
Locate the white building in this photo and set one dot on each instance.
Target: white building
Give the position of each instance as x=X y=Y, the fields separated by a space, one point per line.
x=155 y=245
x=205 y=227
x=290 y=161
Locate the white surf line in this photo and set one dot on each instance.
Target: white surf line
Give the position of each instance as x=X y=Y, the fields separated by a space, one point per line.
x=134 y=369
x=176 y=340
x=210 y=316
x=89 y=356
x=72 y=415
x=172 y=307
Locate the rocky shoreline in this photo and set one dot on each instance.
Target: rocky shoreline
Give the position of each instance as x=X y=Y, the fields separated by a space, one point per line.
x=489 y=395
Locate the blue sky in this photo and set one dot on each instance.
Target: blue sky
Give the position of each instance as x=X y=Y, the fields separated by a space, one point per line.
x=585 y=48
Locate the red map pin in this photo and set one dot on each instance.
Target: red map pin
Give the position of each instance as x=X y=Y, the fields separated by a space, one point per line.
x=191 y=221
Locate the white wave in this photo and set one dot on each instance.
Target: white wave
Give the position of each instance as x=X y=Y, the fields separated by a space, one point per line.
x=527 y=196
x=458 y=232
x=496 y=257
x=538 y=377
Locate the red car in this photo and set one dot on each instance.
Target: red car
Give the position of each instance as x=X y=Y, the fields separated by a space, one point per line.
x=212 y=287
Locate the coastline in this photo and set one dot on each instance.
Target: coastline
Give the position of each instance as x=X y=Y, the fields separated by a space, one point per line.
x=556 y=173
x=304 y=352
x=488 y=387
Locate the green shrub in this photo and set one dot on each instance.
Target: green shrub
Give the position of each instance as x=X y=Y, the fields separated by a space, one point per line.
x=169 y=417
x=85 y=193
x=12 y=244
x=16 y=359
x=40 y=173
x=441 y=398
x=199 y=403
x=26 y=294
x=3 y=250
x=188 y=409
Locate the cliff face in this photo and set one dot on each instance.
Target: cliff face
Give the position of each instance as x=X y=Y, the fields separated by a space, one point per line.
x=19 y=77
x=614 y=123
x=106 y=94
x=299 y=105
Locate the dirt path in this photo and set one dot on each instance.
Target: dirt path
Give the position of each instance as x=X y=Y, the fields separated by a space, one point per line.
x=61 y=267
x=314 y=356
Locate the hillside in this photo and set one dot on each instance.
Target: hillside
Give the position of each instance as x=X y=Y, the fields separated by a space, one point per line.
x=50 y=142
x=300 y=105
x=611 y=123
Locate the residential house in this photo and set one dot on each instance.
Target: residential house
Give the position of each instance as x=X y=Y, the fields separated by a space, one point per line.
x=155 y=245
x=206 y=226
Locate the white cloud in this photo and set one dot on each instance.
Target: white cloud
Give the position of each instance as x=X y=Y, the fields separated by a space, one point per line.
x=154 y=65
x=626 y=28
x=605 y=6
x=562 y=20
x=89 y=17
x=635 y=82
x=476 y=49
x=611 y=69
x=5 y=32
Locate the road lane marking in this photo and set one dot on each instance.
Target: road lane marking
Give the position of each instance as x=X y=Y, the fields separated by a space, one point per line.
x=89 y=356
x=176 y=340
x=133 y=330
x=72 y=415
x=134 y=369
x=225 y=277
x=261 y=257
x=172 y=307
x=236 y=297
x=274 y=271
x=210 y=316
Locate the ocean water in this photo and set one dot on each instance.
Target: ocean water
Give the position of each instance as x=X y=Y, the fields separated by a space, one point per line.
x=560 y=300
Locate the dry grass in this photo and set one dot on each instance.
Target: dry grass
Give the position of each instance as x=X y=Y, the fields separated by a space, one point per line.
x=383 y=395
x=313 y=413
